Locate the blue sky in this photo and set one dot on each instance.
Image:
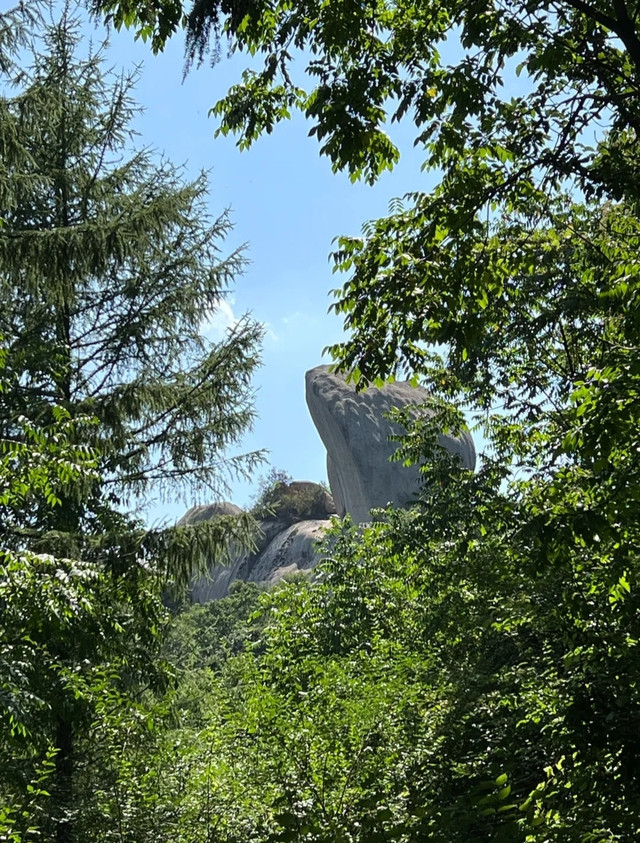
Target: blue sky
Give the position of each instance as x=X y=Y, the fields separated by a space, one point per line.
x=287 y=205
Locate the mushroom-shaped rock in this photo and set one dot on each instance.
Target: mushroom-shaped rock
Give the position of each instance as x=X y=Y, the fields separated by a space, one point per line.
x=356 y=433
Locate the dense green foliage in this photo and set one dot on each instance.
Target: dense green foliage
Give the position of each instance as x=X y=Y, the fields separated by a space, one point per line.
x=109 y=394
x=454 y=675
x=73 y=637
x=465 y=671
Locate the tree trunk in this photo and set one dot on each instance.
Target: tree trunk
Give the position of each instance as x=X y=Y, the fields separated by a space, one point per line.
x=63 y=793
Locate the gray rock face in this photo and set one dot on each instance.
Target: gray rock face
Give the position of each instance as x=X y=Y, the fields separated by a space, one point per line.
x=356 y=434
x=205 y=512
x=283 y=549
x=291 y=551
x=217 y=583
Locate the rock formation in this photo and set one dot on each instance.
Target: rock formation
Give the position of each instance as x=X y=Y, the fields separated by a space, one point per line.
x=206 y=512
x=286 y=542
x=299 y=500
x=356 y=434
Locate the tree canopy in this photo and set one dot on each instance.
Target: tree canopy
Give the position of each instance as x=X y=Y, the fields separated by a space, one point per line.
x=466 y=670
x=522 y=108
x=372 y=61
x=110 y=265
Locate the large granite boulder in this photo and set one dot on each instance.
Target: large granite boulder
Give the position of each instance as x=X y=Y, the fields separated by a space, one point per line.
x=282 y=548
x=356 y=434
x=291 y=551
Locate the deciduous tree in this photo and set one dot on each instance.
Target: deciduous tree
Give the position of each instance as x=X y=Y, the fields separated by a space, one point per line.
x=512 y=287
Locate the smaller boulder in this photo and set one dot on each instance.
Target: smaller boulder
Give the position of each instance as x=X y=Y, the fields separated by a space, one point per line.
x=205 y=512
x=299 y=500
x=286 y=543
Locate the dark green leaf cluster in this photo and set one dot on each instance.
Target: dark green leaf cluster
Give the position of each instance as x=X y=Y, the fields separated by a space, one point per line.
x=206 y=636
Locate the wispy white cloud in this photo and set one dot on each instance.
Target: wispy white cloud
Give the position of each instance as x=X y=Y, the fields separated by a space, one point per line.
x=298 y=319
x=221 y=321
x=270 y=332
x=224 y=319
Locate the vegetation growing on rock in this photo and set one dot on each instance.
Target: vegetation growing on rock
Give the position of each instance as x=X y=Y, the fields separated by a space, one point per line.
x=284 y=499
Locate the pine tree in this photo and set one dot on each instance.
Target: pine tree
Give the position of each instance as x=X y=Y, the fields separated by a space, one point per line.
x=109 y=266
